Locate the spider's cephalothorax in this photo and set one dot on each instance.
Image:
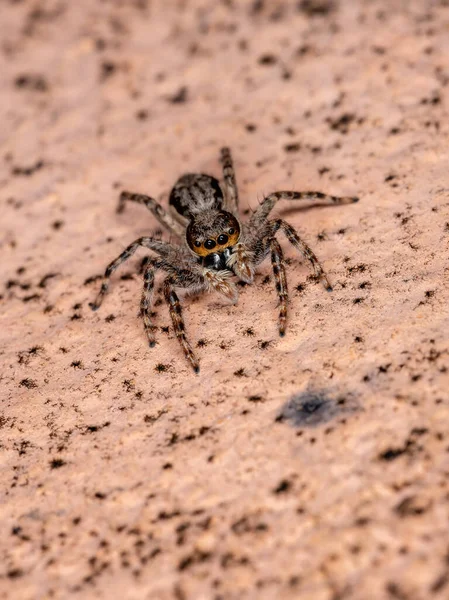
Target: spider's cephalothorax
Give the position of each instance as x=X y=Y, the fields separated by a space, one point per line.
x=216 y=246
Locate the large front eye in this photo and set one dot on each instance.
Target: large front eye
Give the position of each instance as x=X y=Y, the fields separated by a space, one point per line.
x=222 y=239
x=209 y=244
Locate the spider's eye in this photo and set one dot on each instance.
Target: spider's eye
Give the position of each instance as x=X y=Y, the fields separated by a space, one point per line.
x=197 y=244
x=222 y=239
x=209 y=244
x=231 y=230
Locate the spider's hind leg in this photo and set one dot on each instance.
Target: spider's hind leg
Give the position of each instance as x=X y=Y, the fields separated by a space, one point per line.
x=155 y=208
x=230 y=184
x=269 y=202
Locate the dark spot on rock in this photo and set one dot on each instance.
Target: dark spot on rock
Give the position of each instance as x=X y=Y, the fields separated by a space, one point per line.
x=240 y=373
x=313 y=408
x=292 y=147
x=282 y=487
x=411 y=506
x=180 y=97
x=14 y=573
x=267 y=59
x=263 y=344
x=33 y=82
x=316 y=8
x=142 y=114
x=356 y=269
x=43 y=282
x=92 y=279
x=343 y=122
x=56 y=463
x=107 y=69
x=28 y=383
x=156 y=417
x=255 y=398
x=257 y=6
x=27 y=171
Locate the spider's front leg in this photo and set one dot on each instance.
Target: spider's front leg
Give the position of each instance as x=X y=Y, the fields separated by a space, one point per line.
x=193 y=279
x=277 y=261
x=162 y=248
x=174 y=305
x=146 y=300
x=301 y=246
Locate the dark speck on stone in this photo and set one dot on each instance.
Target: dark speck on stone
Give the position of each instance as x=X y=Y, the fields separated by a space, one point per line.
x=312 y=408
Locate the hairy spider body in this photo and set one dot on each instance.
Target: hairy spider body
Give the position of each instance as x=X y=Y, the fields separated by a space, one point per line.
x=217 y=247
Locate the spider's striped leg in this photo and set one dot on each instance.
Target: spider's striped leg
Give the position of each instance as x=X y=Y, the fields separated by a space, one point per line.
x=277 y=260
x=261 y=213
x=302 y=247
x=160 y=247
x=155 y=208
x=178 y=322
x=232 y=195
x=146 y=300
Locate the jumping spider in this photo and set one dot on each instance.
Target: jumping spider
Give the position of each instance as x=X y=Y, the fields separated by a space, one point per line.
x=216 y=245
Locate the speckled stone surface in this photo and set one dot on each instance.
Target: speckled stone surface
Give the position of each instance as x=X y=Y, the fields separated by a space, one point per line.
x=314 y=466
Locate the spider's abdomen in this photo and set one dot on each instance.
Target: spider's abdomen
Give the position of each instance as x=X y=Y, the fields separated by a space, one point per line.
x=195 y=193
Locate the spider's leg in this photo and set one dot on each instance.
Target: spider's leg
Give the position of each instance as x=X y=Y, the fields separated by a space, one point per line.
x=232 y=195
x=261 y=213
x=302 y=247
x=277 y=260
x=160 y=247
x=155 y=208
x=178 y=322
x=147 y=296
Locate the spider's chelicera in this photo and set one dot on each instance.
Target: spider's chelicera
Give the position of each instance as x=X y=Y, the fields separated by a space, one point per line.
x=218 y=248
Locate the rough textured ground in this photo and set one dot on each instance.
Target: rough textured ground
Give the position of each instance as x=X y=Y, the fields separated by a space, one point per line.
x=313 y=467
